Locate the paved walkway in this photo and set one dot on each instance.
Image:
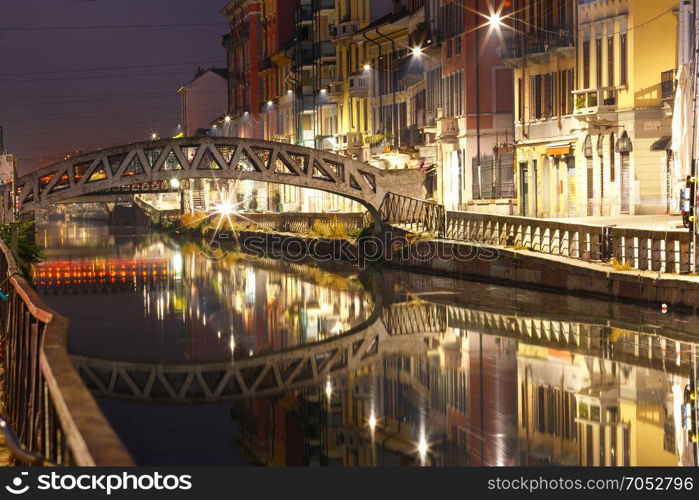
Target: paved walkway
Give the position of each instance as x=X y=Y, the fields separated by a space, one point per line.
x=652 y=222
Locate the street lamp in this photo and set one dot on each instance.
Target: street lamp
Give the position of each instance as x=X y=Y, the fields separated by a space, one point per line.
x=417 y=51
x=494 y=20
x=153 y=136
x=367 y=67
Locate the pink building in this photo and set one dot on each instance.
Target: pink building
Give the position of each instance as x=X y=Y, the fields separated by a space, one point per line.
x=204 y=99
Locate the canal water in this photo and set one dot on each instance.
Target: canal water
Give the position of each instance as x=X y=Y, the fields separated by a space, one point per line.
x=222 y=358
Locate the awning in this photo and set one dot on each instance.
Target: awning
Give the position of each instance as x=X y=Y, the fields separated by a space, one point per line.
x=558 y=149
x=662 y=144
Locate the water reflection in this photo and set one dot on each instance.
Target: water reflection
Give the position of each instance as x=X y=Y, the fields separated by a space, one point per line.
x=143 y=297
x=443 y=372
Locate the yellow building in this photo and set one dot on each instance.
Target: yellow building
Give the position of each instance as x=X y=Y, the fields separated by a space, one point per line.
x=591 y=125
x=543 y=57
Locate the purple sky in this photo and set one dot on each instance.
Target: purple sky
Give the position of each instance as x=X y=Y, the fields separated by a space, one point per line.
x=50 y=105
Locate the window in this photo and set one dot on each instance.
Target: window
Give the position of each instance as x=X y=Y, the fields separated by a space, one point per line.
x=586 y=64
x=610 y=61
x=520 y=103
x=622 y=59
x=493 y=178
x=548 y=91
x=535 y=96
x=612 y=159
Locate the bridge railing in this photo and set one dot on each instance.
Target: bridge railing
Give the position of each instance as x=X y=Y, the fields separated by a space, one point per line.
x=413 y=214
x=46 y=403
x=646 y=250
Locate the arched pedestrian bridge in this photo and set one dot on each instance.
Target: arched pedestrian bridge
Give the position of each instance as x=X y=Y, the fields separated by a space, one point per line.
x=152 y=166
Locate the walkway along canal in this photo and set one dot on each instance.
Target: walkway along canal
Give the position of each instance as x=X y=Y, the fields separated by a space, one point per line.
x=242 y=360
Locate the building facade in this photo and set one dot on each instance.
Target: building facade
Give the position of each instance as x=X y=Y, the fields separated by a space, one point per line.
x=591 y=121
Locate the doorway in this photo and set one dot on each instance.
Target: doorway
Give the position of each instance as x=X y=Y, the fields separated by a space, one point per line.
x=625 y=183
x=524 y=188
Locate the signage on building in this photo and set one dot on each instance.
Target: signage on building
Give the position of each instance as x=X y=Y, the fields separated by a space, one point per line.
x=448 y=127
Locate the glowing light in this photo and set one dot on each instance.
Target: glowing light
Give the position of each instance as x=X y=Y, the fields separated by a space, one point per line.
x=417 y=51
x=224 y=208
x=422 y=448
x=328 y=389
x=367 y=67
x=289 y=91
x=270 y=103
x=494 y=20
x=323 y=91
x=227 y=119
x=154 y=136
x=372 y=423
x=174 y=183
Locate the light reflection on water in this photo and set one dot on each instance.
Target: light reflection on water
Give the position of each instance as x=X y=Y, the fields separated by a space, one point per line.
x=466 y=373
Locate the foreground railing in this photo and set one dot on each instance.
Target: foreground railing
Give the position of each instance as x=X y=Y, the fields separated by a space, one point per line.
x=663 y=251
x=46 y=403
x=413 y=214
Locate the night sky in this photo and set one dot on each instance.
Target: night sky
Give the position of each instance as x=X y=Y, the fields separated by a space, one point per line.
x=50 y=102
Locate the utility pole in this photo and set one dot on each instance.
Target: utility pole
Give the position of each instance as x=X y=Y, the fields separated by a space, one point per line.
x=693 y=176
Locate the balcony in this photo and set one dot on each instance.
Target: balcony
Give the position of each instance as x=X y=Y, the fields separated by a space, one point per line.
x=323 y=5
x=411 y=71
x=324 y=50
x=593 y=104
x=282 y=138
x=304 y=14
x=336 y=89
x=305 y=104
x=668 y=84
x=411 y=137
x=346 y=29
x=304 y=53
x=558 y=40
x=355 y=140
x=359 y=85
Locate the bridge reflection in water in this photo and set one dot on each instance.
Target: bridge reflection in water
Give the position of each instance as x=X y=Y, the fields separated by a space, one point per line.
x=334 y=366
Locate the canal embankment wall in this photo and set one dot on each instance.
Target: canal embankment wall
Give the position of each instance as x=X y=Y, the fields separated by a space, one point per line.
x=521 y=268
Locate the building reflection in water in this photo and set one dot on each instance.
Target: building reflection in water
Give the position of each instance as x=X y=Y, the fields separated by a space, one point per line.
x=492 y=376
x=217 y=309
x=480 y=399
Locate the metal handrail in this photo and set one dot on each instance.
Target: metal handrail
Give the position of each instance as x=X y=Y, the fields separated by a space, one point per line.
x=20 y=453
x=47 y=403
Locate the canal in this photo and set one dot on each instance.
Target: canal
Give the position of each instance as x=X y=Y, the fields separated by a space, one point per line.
x=197 y=358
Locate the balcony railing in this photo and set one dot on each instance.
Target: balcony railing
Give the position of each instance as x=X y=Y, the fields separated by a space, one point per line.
x=668 y=84
x=593 y=101
x=359 y=85
x=324 y=49
x=410 y=137
x=554 y=39
x=346 y=29
x=323 y=4
x=335 y=89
